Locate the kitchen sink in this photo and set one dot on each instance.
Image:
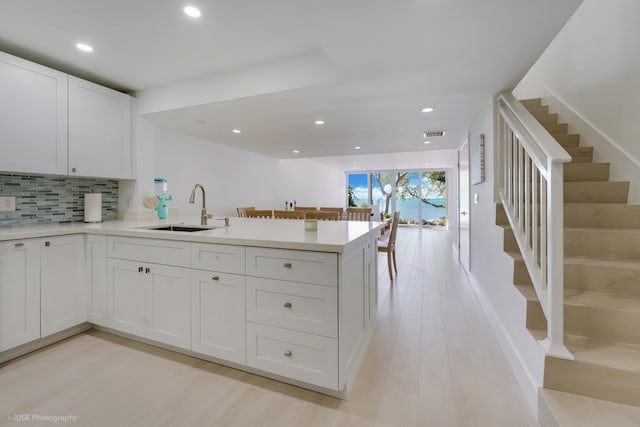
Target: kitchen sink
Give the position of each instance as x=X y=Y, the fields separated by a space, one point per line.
x=182 y=228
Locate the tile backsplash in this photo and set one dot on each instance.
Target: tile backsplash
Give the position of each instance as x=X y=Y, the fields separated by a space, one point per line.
x=44 y=199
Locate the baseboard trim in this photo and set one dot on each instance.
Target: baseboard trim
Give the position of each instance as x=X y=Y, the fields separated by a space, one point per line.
x=16 y=352
x=519 y=369
x=340 y=394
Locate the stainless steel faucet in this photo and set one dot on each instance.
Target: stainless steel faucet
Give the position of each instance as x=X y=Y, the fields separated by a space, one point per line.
x=203 y=215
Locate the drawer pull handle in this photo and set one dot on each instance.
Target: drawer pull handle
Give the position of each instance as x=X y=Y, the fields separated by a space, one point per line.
x=287 y=265
x=19 y=245
x=140 y=269
x=216 y=278
x=47 y=243
x=147 y=270
x=287 y=305
x=288 y=353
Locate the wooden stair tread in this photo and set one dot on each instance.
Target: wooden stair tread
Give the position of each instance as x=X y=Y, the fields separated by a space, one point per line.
x=604 y=262
x=606 y=215
x=596 y=351
x=602 y=300
x=528 y=291
x=573 y=410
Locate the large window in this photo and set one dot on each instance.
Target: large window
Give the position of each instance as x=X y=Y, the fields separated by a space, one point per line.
x=419 y=195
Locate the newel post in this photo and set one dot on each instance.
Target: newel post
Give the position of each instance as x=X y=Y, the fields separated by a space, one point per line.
x=555 y=262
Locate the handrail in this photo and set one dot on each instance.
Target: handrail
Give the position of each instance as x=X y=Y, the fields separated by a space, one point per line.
x=531 y=191
x=543 y=138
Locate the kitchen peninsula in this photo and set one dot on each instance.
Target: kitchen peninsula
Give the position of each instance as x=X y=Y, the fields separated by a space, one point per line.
x=262 y=295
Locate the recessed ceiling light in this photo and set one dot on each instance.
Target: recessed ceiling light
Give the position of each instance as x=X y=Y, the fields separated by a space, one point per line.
x=84 y=47
x=236 y=131
x=319 y=122
x=427 y=109
x=192 y=11
x=356 y=147
x=355 y=167
x=296 y=152
x=427 y=142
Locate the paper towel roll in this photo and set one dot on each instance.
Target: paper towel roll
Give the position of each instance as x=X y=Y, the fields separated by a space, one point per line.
x=93 y=207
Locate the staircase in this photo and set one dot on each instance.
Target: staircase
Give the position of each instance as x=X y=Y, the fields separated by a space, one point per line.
x=601 y=277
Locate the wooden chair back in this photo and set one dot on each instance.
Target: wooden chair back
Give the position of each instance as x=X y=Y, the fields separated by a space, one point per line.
x=259 y=213
x=329 y=216
x=389 y=246
x=358 y=214
x=288 y=214
x=394 y=230
x=242 y=211
x=305 y=208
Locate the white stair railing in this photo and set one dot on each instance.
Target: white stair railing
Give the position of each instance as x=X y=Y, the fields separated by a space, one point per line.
x=530 y=172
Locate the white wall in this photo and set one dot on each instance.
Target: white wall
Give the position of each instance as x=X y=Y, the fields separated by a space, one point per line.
x=231 y=177
x=492 y=271
x=590 y=75
x=310 y=183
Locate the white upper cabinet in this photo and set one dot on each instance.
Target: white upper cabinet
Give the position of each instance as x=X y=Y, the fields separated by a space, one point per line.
x=99 y=131
x=33 y=117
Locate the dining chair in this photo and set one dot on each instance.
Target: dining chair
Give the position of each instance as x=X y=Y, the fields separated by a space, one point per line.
x=358 y=214
x=389 y=245
x=242 y=211
x=339 y=210
x=259 y=213
x=329 y=216
x=305 y=208
x=288 y=214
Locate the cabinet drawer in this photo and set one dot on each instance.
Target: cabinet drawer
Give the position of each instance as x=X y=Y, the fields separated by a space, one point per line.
x=299 y=266
x=167 y=252
x=292 y=305
x=224 y=258
x=296 y=355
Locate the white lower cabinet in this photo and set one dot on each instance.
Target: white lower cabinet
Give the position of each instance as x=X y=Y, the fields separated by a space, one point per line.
x=218 y=315
x=169 y=310
x=96 y=265
x=62 y=283
x=293 y=305
x=300 y=356
x=150 y=300
x=19 y=292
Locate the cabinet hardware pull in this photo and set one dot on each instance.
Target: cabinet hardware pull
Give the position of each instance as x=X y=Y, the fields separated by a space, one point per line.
x=140 y=269
x=287 y=305
x=19 y=245
x=147 y=270
x=215 y=278
x=288 y=353
x=287 y=265
x=47 y=243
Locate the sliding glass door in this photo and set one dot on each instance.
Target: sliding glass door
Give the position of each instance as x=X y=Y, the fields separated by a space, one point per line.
x=419 y=195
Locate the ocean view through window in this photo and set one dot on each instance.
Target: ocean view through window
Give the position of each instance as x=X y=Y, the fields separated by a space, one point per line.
x=419 y=195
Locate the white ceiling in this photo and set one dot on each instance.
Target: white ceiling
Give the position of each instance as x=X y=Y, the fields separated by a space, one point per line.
x=383 y=61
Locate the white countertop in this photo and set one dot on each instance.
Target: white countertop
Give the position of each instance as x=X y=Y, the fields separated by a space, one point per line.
x=331 y=236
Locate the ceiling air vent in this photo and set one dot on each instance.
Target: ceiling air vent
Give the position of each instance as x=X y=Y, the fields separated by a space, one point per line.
x=432 y=133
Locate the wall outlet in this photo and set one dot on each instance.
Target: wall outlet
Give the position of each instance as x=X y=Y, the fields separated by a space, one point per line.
x=7 y=203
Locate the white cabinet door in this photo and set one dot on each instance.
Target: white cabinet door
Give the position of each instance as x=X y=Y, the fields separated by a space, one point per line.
x=33 y=117
x=99 y=131
x=19 y=293
x=218 y=311
x=128 y=292
x=96 y=259
x=169 y=305
x=63 y=297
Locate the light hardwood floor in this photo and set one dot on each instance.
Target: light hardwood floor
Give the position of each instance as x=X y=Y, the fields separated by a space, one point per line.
x=433 y=361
